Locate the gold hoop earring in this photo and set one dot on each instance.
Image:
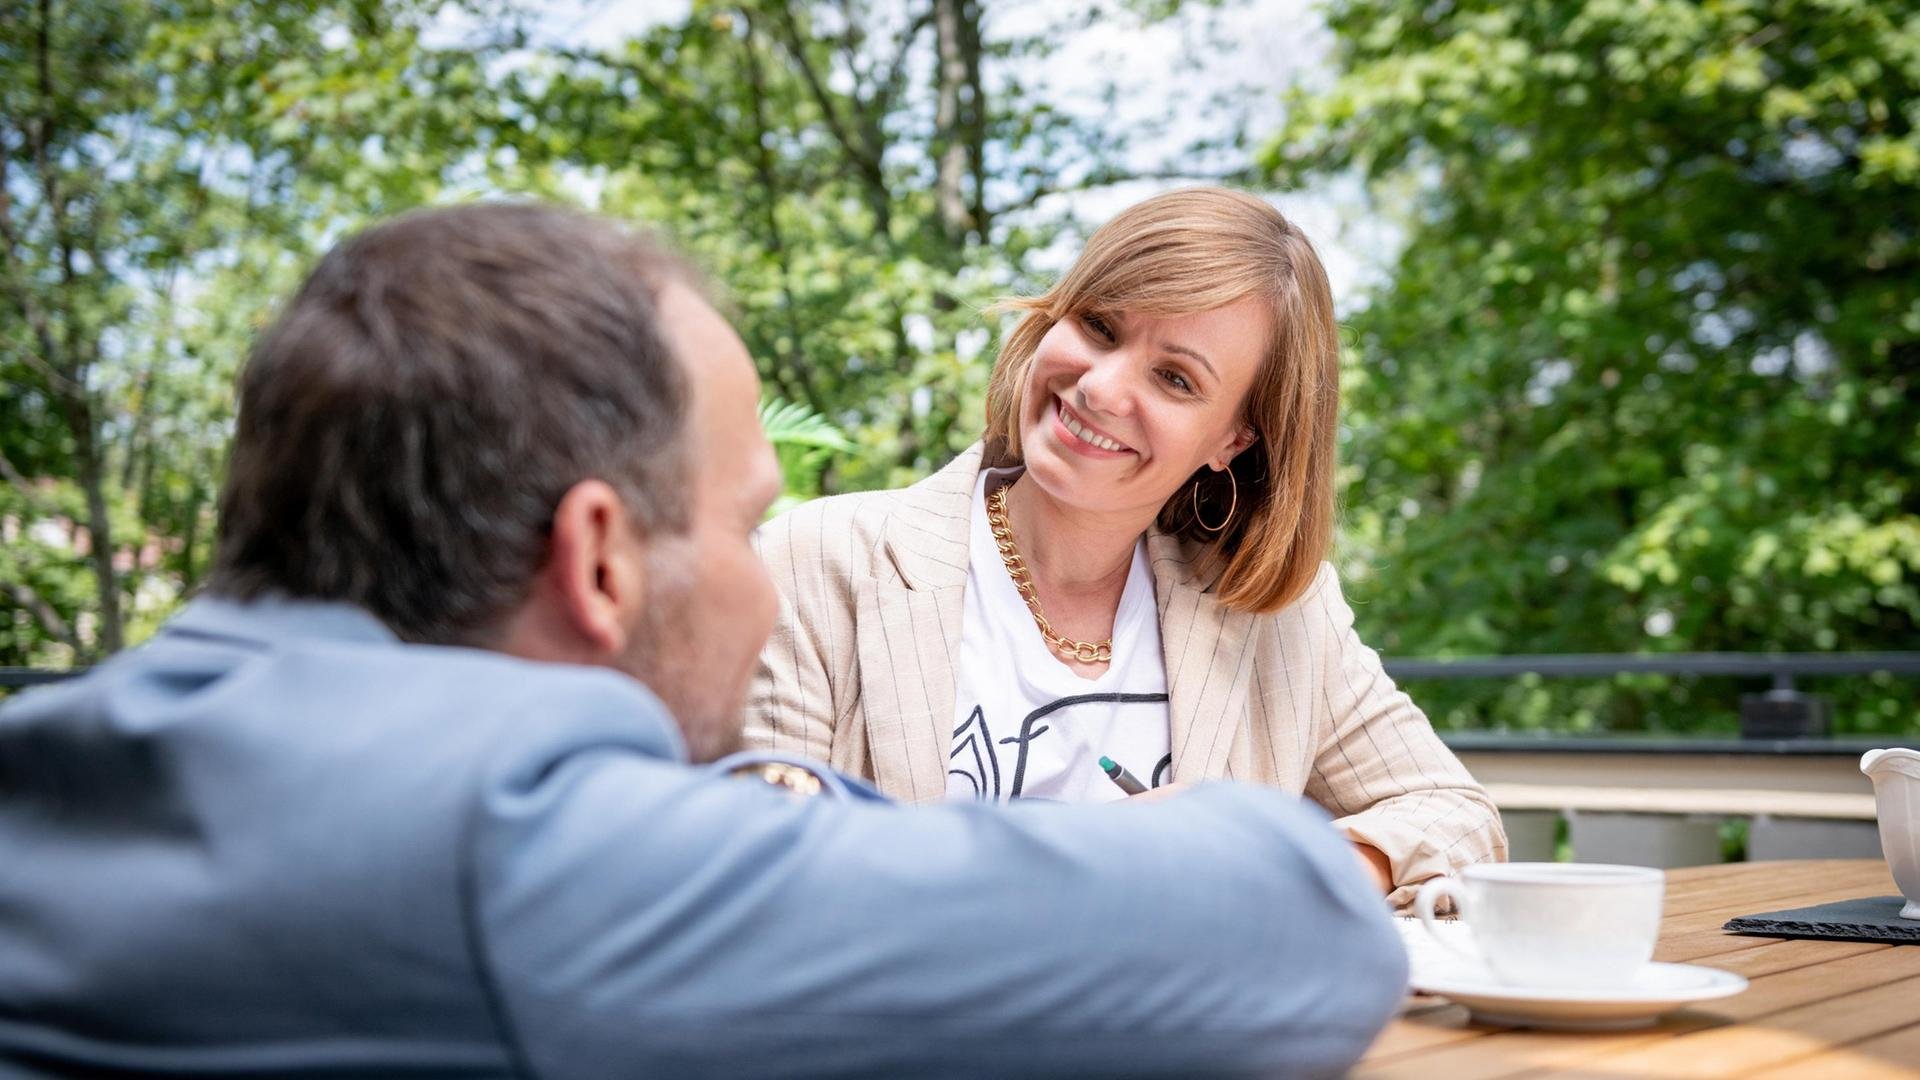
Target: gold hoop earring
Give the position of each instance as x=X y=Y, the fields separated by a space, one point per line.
x=1231 y=506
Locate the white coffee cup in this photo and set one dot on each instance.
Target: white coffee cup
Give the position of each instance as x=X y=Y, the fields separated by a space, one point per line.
x=1554 y=925
x=1895 y=772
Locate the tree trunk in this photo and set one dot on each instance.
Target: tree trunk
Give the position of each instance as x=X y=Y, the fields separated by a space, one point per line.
x=794 y=356
x=189 y=574
x=86 y=458
x=950 y=134
x=976 y=117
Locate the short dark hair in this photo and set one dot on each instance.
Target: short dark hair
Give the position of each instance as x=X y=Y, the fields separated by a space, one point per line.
x=409 y=424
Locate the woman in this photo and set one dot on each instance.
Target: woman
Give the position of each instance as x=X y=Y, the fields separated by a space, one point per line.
x=1129 y=567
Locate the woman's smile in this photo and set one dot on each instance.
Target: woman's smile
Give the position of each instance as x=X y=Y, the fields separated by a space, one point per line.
x=1081 y=437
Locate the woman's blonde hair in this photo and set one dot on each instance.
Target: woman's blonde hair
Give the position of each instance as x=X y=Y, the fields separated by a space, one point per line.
x=1196 y=250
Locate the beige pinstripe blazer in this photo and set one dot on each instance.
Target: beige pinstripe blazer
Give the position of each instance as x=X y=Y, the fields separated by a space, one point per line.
x=860 y=672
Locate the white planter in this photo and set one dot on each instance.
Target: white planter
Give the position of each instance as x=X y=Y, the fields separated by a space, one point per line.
x=1896 y=792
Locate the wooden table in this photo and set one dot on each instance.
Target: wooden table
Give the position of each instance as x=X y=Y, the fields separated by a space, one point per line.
x=1815 y=1009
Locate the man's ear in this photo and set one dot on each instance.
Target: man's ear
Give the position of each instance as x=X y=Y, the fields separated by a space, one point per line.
x=596 y=564
x=1243 y=437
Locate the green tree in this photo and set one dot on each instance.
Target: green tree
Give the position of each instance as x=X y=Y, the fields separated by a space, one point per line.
x=165 y=171
x=1647 y=374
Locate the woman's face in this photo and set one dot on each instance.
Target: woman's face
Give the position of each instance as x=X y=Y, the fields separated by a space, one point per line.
x=1122 y=408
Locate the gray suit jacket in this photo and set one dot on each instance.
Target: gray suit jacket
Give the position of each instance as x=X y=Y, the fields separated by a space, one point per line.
x=276 y=841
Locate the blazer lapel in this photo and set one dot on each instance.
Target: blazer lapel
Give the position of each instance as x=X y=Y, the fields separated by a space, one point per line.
x=1209 y=653
x=907 y=631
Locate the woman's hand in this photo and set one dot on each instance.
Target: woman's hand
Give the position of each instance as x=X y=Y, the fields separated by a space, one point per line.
x=1379 y=869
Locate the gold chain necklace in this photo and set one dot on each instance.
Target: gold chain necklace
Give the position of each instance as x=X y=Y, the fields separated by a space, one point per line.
x=1086 y=652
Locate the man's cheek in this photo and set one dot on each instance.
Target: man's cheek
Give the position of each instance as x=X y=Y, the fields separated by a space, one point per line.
x=768 y=596
x=769 y=614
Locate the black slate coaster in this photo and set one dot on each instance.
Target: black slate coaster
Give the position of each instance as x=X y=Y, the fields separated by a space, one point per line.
x=1873 y=918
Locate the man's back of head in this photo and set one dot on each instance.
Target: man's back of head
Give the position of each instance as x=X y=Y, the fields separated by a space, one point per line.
x=439 y=382
x=513 y=427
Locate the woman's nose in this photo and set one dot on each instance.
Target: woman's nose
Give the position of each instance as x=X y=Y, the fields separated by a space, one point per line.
x=1104 y=386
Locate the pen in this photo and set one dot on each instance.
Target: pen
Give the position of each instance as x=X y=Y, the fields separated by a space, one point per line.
x=1121 y=777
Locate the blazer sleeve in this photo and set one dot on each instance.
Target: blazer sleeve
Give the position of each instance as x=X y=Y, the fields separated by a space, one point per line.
x=790 y=703
x=1381 y=769
x=633 y=916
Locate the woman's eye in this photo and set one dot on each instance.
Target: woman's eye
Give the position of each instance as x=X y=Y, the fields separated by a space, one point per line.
x=1098 y=325
x=1177 y=381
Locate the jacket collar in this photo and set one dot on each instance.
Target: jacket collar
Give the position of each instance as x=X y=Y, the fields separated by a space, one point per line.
x=926 y=535
x=275 y=618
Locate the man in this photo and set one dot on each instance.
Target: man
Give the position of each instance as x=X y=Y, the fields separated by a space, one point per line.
x=404 y=793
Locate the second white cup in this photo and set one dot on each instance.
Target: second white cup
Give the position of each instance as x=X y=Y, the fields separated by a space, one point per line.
x=1555 y=925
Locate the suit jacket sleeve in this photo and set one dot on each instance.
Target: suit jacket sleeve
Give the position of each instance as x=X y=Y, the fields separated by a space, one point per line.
x=790 y=703
x=633 y=916
x=1381 y=769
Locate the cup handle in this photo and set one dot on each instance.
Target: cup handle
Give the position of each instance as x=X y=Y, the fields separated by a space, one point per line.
x=1423 y=905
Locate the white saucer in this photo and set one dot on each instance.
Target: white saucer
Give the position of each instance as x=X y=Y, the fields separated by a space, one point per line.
x=1658 y=989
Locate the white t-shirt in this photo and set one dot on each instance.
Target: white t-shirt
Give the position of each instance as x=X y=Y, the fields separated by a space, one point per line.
x=1026 y=726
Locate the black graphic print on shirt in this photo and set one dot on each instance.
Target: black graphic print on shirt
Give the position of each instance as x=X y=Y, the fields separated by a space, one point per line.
x=973 y=748
x=976 y=755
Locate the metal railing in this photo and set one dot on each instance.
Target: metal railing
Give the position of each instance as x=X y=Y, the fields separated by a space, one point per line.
x=1779 y=720
x=15 y=678
x=1781 y=668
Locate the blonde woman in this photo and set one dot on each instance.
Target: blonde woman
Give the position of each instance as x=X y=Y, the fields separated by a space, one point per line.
x=1130 y=566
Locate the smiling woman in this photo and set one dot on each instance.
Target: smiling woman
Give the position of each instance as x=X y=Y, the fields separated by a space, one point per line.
x=1131 y=565
x=1225 y=311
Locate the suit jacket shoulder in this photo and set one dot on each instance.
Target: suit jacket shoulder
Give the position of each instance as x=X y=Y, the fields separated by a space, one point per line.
x=915 y=535
x=825 y=543
x=250 y=820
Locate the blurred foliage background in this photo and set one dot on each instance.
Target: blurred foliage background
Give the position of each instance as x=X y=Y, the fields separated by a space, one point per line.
x=1640 y=374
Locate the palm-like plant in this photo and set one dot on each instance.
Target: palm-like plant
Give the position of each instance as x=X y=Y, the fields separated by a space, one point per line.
x=805 y=443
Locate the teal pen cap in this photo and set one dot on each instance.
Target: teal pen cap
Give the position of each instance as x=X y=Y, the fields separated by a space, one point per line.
x=1121 y=777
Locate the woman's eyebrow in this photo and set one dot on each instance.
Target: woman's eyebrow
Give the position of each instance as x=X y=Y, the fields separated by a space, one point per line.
x=1184 y=351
